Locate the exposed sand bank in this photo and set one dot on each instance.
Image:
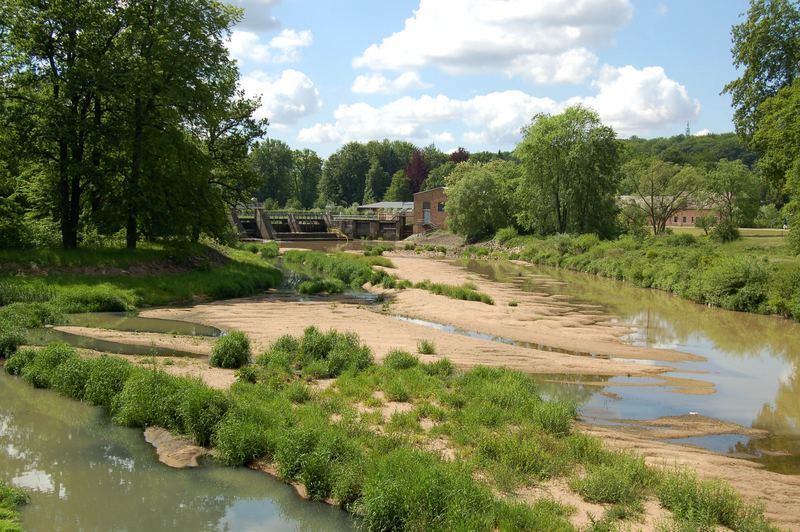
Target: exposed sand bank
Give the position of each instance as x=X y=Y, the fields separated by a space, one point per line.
x=264 y=321
x=537 y=318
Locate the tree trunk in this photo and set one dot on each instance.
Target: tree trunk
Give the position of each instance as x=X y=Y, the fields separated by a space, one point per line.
x=132 y=190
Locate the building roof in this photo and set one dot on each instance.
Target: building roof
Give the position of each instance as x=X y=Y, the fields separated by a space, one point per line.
x=429 y=190
x=389 y=205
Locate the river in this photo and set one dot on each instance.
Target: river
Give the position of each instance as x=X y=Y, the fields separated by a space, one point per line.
x=84 y=473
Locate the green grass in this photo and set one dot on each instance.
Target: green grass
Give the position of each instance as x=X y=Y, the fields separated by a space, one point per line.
x=426 y=347
x=465 y=292
x=324 y=285
x=496 y=421
x=11 y=500
x=352 y=270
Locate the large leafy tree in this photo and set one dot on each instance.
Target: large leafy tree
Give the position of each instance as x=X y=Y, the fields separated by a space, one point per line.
x=660 y=189
x=273 y=161
x=417 y=171
x=343 y=175
x=733 y=192
x=479 y=201
x=777 y=135
x=571 y=164
x=306 y=173
x=766 y=48
x=400 y=189
x=375 y=176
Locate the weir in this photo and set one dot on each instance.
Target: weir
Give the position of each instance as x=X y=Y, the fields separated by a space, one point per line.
x=258 y=224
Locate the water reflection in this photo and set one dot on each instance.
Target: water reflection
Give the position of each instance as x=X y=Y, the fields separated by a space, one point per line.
x=752 y=361
x=90 y=475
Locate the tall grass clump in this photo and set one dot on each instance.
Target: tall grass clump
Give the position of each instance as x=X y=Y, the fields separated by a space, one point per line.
x=426 y=347
x=106 y=378
x=149 y=398
x=412 y=490
x=708 y=503
x=41 y=370
x=465 y=292
x=17 y=361
x=621 y=479
x=200 y=410
x=11 y=337
x=398 y=359
x=71 y=376
x=325 y=285
x=11 y=500
x=331 y=353
x=231 y=351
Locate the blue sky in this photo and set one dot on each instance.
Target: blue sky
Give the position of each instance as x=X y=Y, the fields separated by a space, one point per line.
x=472 y=72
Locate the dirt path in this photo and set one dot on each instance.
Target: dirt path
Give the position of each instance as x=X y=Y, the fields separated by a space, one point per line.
x=780 y=493
x=537 y=318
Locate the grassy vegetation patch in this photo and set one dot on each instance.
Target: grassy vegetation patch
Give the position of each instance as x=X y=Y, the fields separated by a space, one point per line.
x=231 y=351
x=465 y=292
x=11 y=500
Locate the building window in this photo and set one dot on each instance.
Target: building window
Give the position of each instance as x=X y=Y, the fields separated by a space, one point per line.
x=692 y=219
x=675 y=219
x=440 y=207
x=426 y=213
x=684 y=219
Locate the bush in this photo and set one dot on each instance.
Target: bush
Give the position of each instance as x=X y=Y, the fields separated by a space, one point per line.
x=426 y=347
x=71 y=376
x=440 y=368
x=622 y=479
x=107 y=377
x=270 y=250
x=397 y=359
x=29 y=315
x=247 y=374
x=736 y=283
x=17 y=362
x=200 y=409
x=329 y=354
x=554 y=417
x=41 y=370
x=505 y=234
x=231 y=351
x=99 y=298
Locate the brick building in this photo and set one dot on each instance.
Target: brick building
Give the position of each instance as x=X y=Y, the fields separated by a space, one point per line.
x=429 y=213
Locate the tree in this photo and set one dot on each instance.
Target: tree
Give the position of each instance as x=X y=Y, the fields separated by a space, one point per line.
x=571 y=164
x=660 y=189
x=273 y=162
x=306 y=173
x=437 y=176
x=733 y=192
x=777 y=135
x=434 y=157
x=392 y=156
x=375 y=176
x=416 y=171
x=459 y=156
x=343 y=175
x=707 y=222
x=478 y=202
x=766 y=47
x=400 y=189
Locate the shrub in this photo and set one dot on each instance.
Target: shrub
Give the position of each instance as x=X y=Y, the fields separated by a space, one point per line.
x=298 y=392
x=270 y=250
x=29 y=315
x=505 y=234
x=41 y=370
x=426 y=347
x=736 y=283
x=247 y=374
x=231 y=351
x=554 y=417
x=107 y=376
x=71 y=376
x=286 y=343
x=396 y=391
x=200 y=409
x=329 y=354
x=17 y=362
x=98 y=298
x=11 y=337
x=397 y=359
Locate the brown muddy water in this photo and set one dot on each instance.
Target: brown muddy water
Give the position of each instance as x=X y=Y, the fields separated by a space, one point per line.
x=83 y=473
x=752 y=361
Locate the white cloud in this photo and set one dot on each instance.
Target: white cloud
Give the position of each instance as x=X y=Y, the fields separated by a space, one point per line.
x=635 y=100
x=499 y=115
x=257 y=14
x=546 y=41
x=703 y=133
x=662 y=9
x=284 y=99
x=629 y=99
x=380 y=84
x=283 y=48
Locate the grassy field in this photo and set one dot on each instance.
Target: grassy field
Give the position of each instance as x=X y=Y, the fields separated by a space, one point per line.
x=453 y=458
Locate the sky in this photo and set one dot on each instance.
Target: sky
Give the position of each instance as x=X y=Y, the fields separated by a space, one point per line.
x=472 y=73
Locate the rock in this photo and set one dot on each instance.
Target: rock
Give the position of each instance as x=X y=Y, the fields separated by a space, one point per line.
x=174 y=451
